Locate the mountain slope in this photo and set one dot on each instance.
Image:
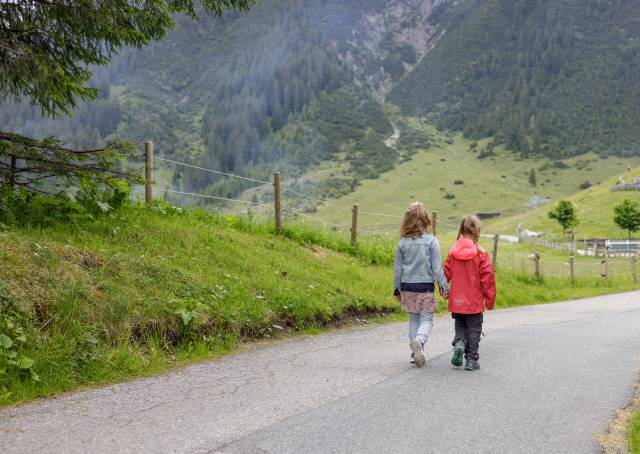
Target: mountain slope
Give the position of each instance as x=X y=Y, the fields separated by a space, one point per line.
x=549 y=77
x=252 y=92
x=595 y=212
x=450 y=179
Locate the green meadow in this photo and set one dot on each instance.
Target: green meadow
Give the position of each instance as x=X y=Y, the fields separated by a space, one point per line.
x=495 y=183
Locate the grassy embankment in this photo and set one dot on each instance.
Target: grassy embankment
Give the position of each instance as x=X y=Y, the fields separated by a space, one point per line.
x=634 y=434
x=495 y=183
x=142 y=291
x=595 y=212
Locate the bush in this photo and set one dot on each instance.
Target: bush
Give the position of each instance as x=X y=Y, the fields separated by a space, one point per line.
x=24 y=207
x=585 y=185
x=449 y=195
x=458 y=182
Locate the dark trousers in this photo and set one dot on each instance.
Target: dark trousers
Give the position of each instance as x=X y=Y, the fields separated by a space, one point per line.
x=468 y=330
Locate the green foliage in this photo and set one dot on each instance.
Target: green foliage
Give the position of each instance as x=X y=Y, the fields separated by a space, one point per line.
x=586 y=184
x=565 y=213
x=542 y=77
x=14 y=363
x=627 y=216
x=23 y=207
x=533 y=181
x=46 y=48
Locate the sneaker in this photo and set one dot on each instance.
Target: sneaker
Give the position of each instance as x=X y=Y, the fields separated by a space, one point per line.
x=418 y=354
x=472 y=364
x=458 y=351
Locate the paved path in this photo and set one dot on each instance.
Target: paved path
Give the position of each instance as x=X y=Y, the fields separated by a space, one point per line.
x=551 y=376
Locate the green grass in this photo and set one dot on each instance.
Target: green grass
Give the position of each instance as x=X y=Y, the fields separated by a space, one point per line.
x=141 y=291
x=498 y=183
x=595 y=212
x=634 y=434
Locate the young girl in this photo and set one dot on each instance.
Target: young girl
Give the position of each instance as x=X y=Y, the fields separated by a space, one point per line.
x=473 y=288
x=417 y=266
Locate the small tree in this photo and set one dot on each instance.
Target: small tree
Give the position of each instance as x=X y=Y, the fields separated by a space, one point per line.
x=565 y=214
x=627 y=216
x=533 y=180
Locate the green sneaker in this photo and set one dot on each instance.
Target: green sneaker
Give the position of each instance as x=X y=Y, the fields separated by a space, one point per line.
x=458 y=351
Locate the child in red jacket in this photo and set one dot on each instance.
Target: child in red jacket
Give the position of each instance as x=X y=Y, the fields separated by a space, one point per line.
x=472 y=289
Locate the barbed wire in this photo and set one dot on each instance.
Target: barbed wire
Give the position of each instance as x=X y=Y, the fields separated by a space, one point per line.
x=303 y=214
x=292 y=191
x=213 y=197
x=211 y=170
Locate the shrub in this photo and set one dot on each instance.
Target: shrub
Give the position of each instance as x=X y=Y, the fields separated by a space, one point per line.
x=449 y=195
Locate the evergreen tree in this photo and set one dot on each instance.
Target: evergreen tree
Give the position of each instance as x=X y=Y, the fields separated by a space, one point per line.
x=45 y=51
x=533 y=181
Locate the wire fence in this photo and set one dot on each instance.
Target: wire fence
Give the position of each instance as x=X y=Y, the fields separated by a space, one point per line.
x=291 y=211
x=541 y=265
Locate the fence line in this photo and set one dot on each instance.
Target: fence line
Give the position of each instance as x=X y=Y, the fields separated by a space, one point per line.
x=213 y=197
x=284 y=188
x=218 y=172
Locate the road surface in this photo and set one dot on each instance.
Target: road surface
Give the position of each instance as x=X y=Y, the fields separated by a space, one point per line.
x=552 y=375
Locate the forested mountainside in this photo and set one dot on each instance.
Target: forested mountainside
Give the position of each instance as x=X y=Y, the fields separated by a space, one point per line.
x=296 y=82
x=288 y=84
x=558 y=77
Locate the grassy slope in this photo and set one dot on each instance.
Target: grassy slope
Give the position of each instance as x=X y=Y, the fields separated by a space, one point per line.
x=425 y=176
x=595 y=211
x=91 y=297
x=634 y=435
x=142 y=291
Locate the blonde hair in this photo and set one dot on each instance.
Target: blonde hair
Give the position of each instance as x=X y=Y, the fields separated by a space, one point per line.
x=415 y=221
x=470 y=225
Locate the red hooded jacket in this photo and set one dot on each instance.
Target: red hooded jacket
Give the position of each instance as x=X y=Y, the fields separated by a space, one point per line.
x=473 y=286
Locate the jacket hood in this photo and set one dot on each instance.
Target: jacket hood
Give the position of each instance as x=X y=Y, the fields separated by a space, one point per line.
x=464 y=249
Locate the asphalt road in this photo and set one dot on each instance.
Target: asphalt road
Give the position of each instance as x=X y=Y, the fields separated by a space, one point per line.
x=552 y=375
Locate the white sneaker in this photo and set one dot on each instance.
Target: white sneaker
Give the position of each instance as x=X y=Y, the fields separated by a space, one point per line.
x=418 y=353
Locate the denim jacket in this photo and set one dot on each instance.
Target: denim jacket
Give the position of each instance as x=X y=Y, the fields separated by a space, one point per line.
x=418 y=261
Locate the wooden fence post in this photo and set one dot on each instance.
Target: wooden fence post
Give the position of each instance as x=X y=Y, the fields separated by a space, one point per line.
x=434 y=222
x=354 y=224
x=148 y=172
x=276 y=203
x=572 y=268
x=494 y=259
x=536 y=259
x=605 y=262
x=634 y=267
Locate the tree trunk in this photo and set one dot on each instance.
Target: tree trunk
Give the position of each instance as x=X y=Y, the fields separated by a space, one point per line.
x=12 y=176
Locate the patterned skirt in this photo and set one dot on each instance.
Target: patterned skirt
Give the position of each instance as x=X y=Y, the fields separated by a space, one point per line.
x=417 y=302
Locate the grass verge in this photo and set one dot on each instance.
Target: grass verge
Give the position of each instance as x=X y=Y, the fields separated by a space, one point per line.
x=634 y=434
x=144 y=290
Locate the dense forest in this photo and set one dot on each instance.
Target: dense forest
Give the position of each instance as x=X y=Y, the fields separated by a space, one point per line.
x=297 y=82
x=558 y=78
